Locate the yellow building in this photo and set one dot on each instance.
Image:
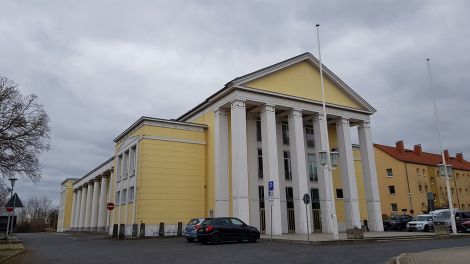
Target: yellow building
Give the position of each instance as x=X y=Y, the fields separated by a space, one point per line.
x=266 y=128
x=407 y=176
x=65 y=205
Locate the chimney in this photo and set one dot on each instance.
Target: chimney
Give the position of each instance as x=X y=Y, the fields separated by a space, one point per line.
x=459 y=157
x=418 y=150
x=399 y=146
x=446 y=154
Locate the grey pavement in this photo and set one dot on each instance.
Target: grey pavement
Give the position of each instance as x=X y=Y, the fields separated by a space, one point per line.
x=460 y=255
x=89 y=248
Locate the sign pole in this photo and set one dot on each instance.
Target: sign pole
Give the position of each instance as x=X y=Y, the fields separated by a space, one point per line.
x=271 y=209
x=306 y=200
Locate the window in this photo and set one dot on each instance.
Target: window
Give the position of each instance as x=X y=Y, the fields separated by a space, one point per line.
x=424 y=172
x=258 y=130
x=417 y=172
x=389 y=173
x=460 y=190
x=236 y=222
x=425 y=188
x=290 y=197
x=287 y=166
x=456 y=176
x=315 y=198
x=463 y=207
x=339 y=193
x=118 y=169
x=261 y=196
x=118 y=196
x=309 y=137
x=420 y=188
x=285 y=133
x=432 y=180
x=260 y=164
x=132 y=161
x=394 y=207
x=391 y=189
x=124 y=196
x=125 y=159
x=312 y=167
x=131 y=194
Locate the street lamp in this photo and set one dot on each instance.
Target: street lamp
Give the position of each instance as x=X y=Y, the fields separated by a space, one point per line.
x=327 y=158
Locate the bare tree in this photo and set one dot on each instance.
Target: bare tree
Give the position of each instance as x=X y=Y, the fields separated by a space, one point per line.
x=24 y=132
x=36 y=215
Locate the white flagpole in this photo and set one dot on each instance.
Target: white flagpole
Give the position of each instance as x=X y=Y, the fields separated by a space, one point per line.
x=334 y=220
x=438 y=130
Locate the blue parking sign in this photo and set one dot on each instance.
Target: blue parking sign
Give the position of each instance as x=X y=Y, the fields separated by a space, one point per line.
x=271 y=185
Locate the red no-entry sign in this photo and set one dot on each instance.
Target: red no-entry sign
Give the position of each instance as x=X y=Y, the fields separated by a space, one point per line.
x=110 y=206
x=9 y=209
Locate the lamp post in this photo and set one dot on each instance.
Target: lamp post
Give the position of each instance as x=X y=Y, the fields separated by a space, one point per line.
x=446 y=170
x=12 y=183
x=328 y=159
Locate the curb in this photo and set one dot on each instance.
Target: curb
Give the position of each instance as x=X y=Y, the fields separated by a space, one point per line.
x=360 y=241
x=398 y=259
x=5 y=259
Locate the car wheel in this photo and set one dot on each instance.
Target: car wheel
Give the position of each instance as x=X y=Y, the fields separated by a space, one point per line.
x=190 y=239
x=398 y=227
x=215 y=239
x=252 y=237
x=426 y=228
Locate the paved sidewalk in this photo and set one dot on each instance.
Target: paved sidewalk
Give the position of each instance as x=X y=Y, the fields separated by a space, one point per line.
x=10 y=249
x=460 y=255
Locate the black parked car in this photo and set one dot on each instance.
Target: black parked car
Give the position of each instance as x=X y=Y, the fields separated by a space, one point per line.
x=397 y=222
x=219 y=229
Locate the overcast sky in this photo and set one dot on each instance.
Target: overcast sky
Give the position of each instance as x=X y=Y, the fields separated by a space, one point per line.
x=98 y=67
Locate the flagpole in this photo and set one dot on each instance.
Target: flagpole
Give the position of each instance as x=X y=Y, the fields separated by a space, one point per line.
x=334 y=220
x=438 y=130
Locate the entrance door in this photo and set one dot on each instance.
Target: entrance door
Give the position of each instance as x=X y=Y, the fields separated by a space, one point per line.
x=316 y=212
x=290 y=210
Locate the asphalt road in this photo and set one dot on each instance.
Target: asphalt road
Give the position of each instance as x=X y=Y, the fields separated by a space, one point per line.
x=87 y=248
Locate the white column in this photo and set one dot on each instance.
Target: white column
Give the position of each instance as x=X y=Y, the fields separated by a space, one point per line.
x=95 y=205
x=271 y=169
x=76 y=217
x=81 y=224
x=252 y=148
x=102 y=204
x=88 y=204
x=348 y=174
x=74 y=205
x=369 y=171
x=222 y=193
x=240 y=198
x=327 y=205
x=299 y=170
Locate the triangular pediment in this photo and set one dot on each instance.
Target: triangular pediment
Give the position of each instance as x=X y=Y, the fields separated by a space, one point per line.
x=300 y=77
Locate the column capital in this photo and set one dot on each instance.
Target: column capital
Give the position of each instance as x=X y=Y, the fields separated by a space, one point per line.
x=238 y=103
x=97 y=179
x=342 y=121
x=295 y=113
x=75 y=190
x=221 y=112
x=318 y=117
x=364 y=124
x=268 y=108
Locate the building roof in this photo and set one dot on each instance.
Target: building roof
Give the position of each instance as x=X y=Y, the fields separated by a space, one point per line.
x=425 y=158
x=307 y=56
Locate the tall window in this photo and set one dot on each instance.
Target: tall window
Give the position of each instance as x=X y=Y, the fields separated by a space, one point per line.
x=290 y=197
x=258 y=130
x=391 y=189
x=315 y=198
x=261 y=196
x=124 y=196
x=260 y=164
x=389 y=172
x=118 y=197
x=339 y=193
x=394 y=207
x=119 y=168
x=309 y=137
x=131 y=194
x=312 y=167
x=287 y=166
x=132 y=161
x=285 y=133
x=125 y=159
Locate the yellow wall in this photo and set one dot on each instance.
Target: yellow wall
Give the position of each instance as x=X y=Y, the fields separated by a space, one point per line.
x=67 y=204
x=303 y=80
x=171 y=177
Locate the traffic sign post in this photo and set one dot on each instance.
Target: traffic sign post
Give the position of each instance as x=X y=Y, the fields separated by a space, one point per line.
x=271 y=203
x=306 y=199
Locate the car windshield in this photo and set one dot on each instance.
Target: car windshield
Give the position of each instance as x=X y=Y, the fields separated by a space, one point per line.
x=423 y=218
x=194 y=221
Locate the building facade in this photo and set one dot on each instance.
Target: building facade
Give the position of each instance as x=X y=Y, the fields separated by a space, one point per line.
x=406 y=176
x=217 y=160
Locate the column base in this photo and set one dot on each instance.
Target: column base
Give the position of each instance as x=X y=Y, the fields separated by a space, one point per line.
x=93 y=229
x=80 y=229
x=101 y=229
x=86 y=229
